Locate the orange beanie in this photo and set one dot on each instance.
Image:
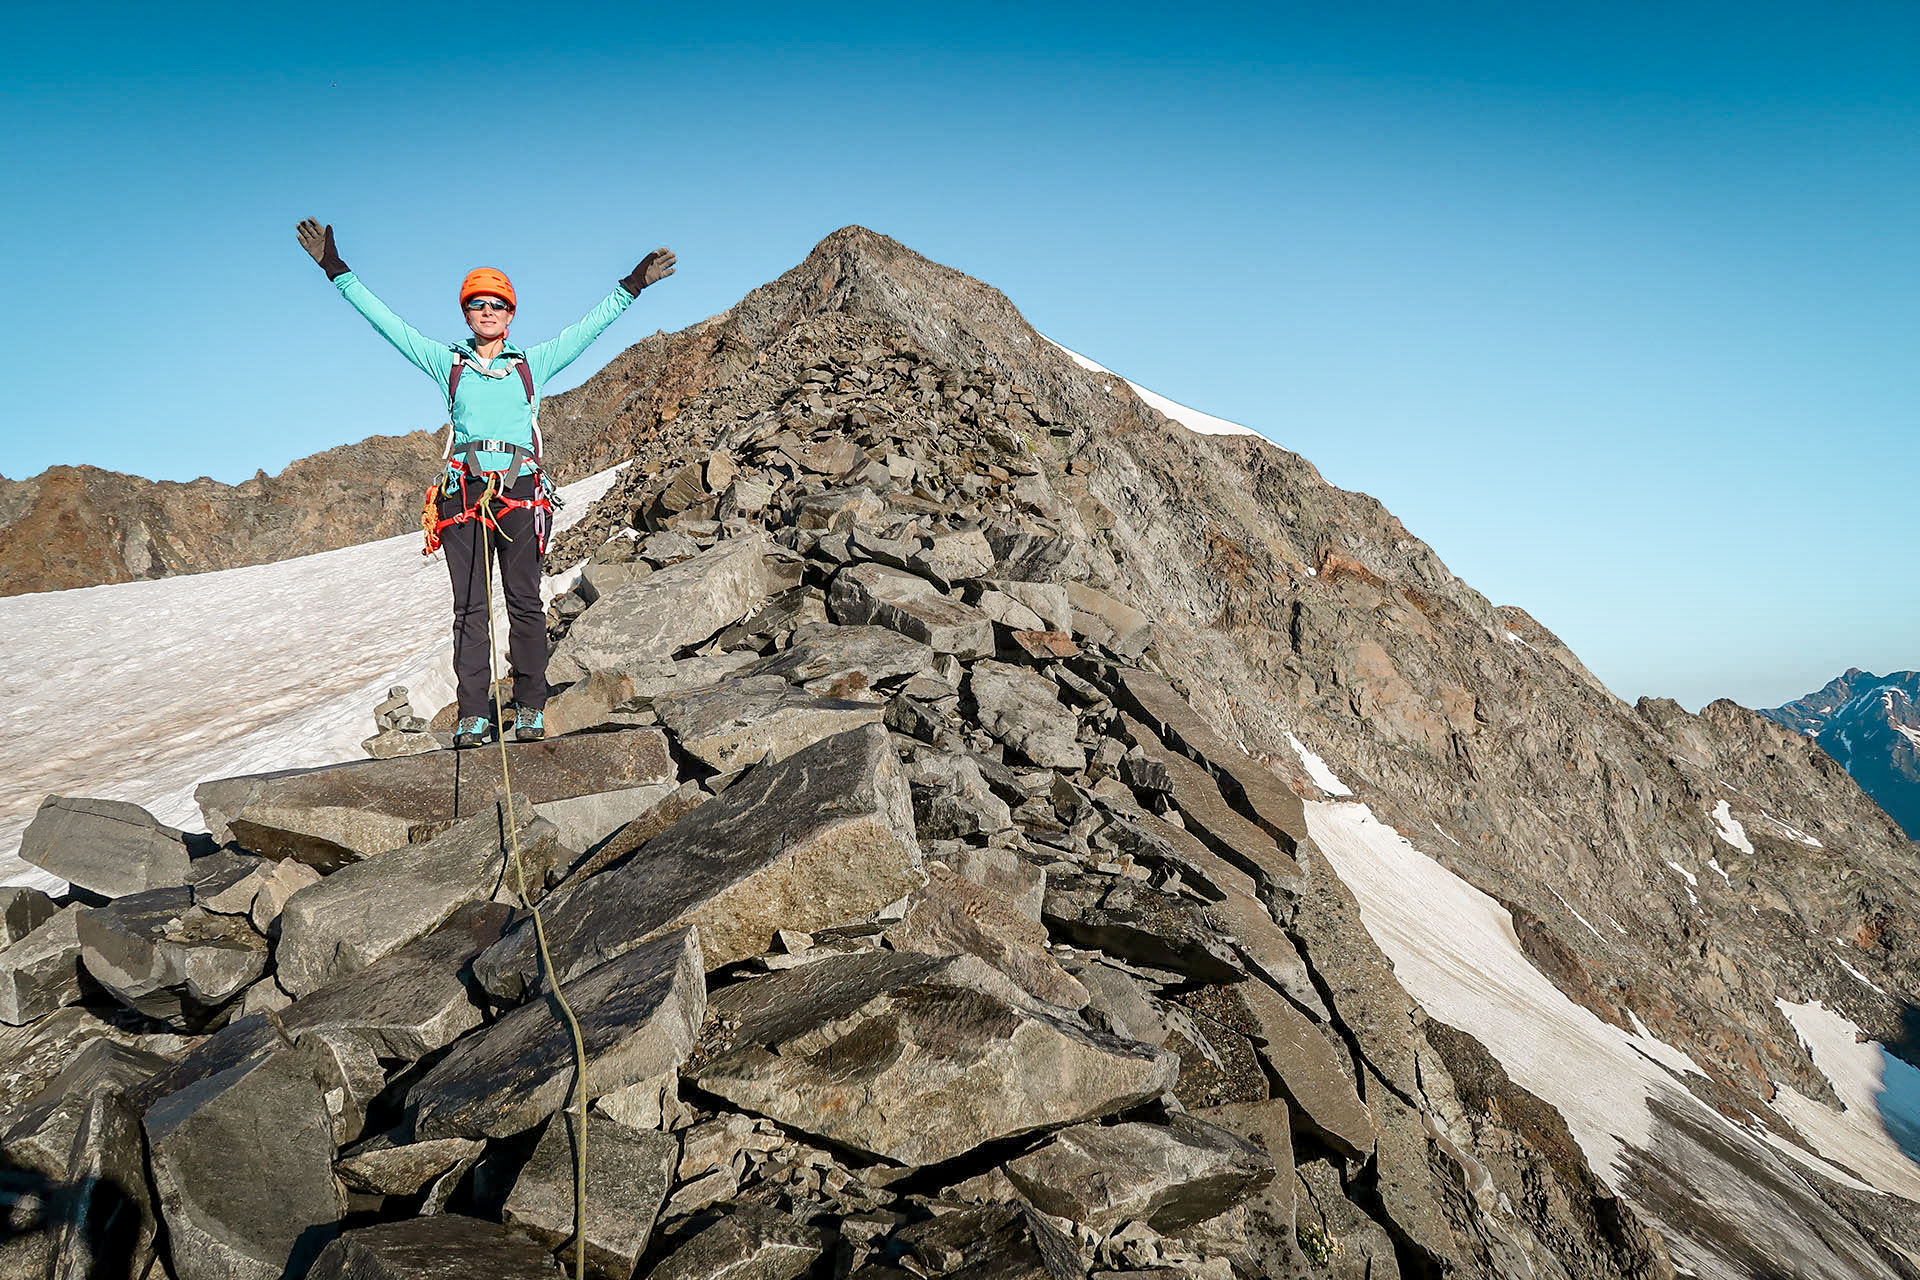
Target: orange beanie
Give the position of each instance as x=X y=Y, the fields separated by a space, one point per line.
x=486 y=281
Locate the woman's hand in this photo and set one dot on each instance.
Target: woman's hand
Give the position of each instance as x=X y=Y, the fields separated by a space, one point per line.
x=318 y=242
x=653 y=268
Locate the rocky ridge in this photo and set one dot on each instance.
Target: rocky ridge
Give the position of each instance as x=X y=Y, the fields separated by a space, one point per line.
x=927 y=840
x=1871 y=726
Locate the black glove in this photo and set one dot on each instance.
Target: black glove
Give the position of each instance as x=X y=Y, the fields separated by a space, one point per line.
x=653 y=268
x=318 y=241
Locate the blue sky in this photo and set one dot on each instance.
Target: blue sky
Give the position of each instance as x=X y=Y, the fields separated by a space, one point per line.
x=1614 y=305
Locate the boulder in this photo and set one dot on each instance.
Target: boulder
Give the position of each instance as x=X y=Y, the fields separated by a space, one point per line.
x=870 y=593
x=1022 y=708
x=1099 y=617
x=40 y=1137
x=1207 y=814
x=106 y=1224
x=339 y=814
x=834 y=654
x=1268 y=1126
x=106 y=847
x=746 y=1246
x=822 y=837
x=618 y=694
x=956 y=557
x=954 y=916
x=629 y=1172
x=161 y=956
x=1008 y=612
x=1130 y=920
x=407 y=1004
x=274 y=892
x=1315 y=1079
x=41 y=971
x=914 y=1059
x=22 y=910
x=1048 y=600
x=445 y=1247
x=383 y=1165
x=243 y=1164
x=675 y=608
x=1168 y=1176
x=995 y=1241
x=373 y=908
x=743 y=721
x=638 y=1015
x=952 y=799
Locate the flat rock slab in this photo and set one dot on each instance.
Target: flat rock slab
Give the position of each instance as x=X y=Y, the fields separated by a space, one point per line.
x=107 y=847
x=741 y=722
x=41 y=972
x=162 y=956
x=605 y=695
x=746 y=1246
x=243 y=1163
x=1206 y=812
x=679 y=606
x=1022 y=708
x=638 y=1017
x=1315 y=1079
x=446 y=1247
x=342 y=813
x=955 y=916
x=414 y=1001
x=383 y=1167
x=914 y=1059
x=995 y=1241
x=629 y=1172
x=1277 y=810
x=822 y=837
x=1267 y=1125
x=1141 y=924
x=1099 y=617
x=373 y=908
x=869 y=593
x=1168 y=1176
x=834 y=653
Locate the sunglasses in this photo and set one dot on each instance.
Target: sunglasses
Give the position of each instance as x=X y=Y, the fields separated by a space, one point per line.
x=488 y=304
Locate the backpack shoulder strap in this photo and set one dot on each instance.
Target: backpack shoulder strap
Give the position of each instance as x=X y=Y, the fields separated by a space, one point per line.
x=526 y=376
x=453 y=376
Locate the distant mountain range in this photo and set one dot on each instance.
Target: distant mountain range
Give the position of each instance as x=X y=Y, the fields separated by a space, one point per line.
x=1871 y=725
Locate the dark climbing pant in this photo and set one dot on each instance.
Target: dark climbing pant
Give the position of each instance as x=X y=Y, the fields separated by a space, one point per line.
x=516 y=551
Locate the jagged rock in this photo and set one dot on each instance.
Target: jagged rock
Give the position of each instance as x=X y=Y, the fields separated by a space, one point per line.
x=22 y=910
x=993 y=1242
x=954 y=916
x=1276 y=809
x=952 y=800
x=106 y=1223
x=1101 y=618
x=1046 y=600
x=1268 y=1126
x=270 y=899
x=837 y=509
x=617 y=694
x=243 y=1164
x=41 y=971
x=819 y=838
x=1117 y=1004
x=1169 y=1176
x=391 y=744
x=1006 y=873
x=1009 y=612
x=1022 y=709
x=383 y=1166
x=107 y=847
x=914 y=1059
x=628 y=1174
x=339 y=814
x=746 y=1246
x=1137 y=923
x=445 y=1247
x=40 y=1138
x=160 y=955
x=1036 y=557
x=956 y=557
x=645 y=1104
x=825 y=652
x=869 y=593
x=1207 y=813
x=636 y=831
x=264 y=996
x=601 y=577
x=407 y=1004
x=375 y=907
x=1316 y=1080
x=638 y=1015
x=679 y=606
x=743 y=721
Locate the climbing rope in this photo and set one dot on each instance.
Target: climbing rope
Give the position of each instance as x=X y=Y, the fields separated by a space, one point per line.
x=488 y=528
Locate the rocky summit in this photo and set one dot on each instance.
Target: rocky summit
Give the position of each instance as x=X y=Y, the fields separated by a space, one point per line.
x=990 y=831
x=1871 y=725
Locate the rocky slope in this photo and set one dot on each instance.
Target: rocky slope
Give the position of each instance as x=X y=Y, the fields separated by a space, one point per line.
x=937 y=851
x=1871 y=725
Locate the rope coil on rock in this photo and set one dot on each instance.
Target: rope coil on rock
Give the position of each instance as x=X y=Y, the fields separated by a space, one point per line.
x=487 y=529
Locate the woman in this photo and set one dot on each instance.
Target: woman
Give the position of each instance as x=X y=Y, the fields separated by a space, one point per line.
x=493 y=479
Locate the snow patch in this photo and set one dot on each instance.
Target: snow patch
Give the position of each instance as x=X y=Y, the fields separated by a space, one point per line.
x=1714 y=865
x=1192 y=419
x=1317 y=769
x=1730 y=829
x=1692 y=880
x=1792 y=832
x=273 y=666
x=1878 y=1132
x=1576 y=915
x=1862 y=978
x=1911 y=735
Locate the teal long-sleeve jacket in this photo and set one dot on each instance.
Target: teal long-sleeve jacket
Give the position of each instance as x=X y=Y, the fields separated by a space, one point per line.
x=486 y=408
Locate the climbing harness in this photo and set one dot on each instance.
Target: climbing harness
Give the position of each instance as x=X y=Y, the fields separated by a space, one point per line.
x=462 y=462
x=488 y=528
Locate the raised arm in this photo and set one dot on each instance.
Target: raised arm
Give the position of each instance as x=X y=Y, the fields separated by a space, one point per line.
x=561 y=350
x=430 y=357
